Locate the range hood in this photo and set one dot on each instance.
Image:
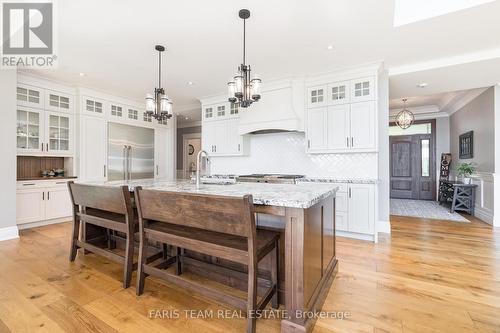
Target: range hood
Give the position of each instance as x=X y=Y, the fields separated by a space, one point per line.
x=281 y=109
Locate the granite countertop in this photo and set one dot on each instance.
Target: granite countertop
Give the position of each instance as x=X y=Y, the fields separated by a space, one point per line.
x=302 y=195
x=338 y=180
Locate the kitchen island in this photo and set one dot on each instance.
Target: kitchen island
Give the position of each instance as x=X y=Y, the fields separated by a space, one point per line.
x=307 y=256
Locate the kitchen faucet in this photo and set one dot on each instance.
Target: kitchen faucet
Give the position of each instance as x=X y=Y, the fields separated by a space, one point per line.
x=198 y=162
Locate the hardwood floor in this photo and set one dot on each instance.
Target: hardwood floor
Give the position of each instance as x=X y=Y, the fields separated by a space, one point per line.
x=428 y=276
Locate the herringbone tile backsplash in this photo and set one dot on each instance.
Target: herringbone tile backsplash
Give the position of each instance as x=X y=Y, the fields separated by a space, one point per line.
x=285 y=153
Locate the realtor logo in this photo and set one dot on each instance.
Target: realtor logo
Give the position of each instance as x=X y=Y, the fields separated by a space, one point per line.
x=28 y=30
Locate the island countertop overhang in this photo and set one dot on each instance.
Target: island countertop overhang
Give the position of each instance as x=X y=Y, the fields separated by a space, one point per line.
x=301 y=195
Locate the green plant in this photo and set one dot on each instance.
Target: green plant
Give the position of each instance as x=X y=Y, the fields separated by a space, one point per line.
x=466 y=169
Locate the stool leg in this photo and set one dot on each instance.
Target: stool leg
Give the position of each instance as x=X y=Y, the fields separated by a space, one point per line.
x=252 y=297
x=274 y=274
x=74 y=238
x=178 y=260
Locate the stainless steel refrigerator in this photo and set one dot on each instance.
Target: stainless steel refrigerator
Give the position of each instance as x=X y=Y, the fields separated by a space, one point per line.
x=130 y=152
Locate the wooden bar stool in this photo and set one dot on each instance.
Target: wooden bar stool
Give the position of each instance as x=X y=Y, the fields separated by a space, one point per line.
x=218 y=226
x=107 y=207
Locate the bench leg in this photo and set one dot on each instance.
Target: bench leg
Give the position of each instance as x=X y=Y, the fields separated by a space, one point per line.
x=274 y=274
x=178 y=261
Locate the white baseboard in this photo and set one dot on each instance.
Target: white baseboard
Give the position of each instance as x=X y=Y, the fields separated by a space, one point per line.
x=42 y=223
x=9 y=233
x=484 y=215
x=384 y=227
x=355 y=235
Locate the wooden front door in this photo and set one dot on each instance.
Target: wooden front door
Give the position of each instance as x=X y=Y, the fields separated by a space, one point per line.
x=413 y=167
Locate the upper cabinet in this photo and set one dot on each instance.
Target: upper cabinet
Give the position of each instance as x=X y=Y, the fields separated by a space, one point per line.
x=342 y=117
x=116 y=111
x=220 y=111
x=30 y=96
x=92 y=106
x=60 y=102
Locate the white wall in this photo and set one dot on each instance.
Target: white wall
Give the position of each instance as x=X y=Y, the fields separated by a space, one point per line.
x=286 y=153
x=383 y=157
x=8 y=84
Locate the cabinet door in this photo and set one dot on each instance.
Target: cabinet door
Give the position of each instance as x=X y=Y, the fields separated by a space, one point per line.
x=316 y=96
x=59 y=102
x=339 y=93
x=222 y=110
x=209 y=112
x=363 y=126
x=58 y=133
x=341 y=221
x=30 y=134
x=338 y=127
x=363 y=89
x=163 y=154
x=220 y=137
x=57 y=203
x=93 y=136
x=116 y=112
x=362 y=208
x=208 y=137
x=234 y=144
x=30 y=205
x=317 y=129
x=30 y=96
x=93 y=106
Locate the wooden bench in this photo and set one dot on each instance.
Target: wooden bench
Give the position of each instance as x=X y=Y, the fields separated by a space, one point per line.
x=107 y=207
x=218 y=226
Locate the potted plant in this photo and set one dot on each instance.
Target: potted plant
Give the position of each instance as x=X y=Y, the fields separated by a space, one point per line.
x=465 y=170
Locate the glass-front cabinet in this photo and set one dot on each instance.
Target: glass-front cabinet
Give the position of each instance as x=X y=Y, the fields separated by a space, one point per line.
x=58 y=135
x=29 y=130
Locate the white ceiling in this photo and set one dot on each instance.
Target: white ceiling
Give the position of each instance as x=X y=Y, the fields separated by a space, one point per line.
x=112 y=42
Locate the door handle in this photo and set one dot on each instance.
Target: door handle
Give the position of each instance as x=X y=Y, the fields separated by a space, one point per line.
x=238 y=147
x=42 y=146
x=47 y=147
x=48 y=195
x=308 y=143
x=157 y=169
x=43 y=195
x=347 y=140
x=104 y=169
x=352 y=141
x=349 y=192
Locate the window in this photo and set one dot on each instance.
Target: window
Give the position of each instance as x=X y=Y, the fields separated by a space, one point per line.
x=59 y=101
x=28 y=95
x=425 y=149
x=116 y=111
x=147 y=117
x=221 y=111
x=208 y=113
x=234 y=108
x=362 y=89
x=317 y=96
x=338 y=93
x=133 y=114
x=93 y=106
x=425 y=128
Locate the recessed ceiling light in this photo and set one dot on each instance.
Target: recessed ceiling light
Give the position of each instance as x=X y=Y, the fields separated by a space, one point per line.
x=329 y=47
x=82 y=74
x=422 y=85
x=190 y=83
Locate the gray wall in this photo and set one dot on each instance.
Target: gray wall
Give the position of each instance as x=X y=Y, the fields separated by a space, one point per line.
x=442 y=144
x=180 y=133
x=477 y=116
x=8 y=83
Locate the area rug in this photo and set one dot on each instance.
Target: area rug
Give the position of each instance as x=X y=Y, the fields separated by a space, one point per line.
x=424 y=209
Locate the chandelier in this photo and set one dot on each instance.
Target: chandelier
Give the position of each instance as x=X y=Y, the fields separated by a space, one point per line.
x=405 y=118
x=158 y=105
x=243 y=89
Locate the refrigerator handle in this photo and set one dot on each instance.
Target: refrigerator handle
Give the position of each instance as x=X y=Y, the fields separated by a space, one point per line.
x=124 y=161
x=129 y=163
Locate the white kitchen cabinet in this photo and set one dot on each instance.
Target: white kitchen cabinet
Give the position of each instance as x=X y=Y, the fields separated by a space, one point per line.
x=338 y=130
x=361 y=208
x=93 y=149
x=363 y=126
x=59 y=102
x=208 y=113
x=221 y=138
x=30 y=96
x=363 y=89
x=58 y=133
x=317 y=133
x=30 y=131
x=30 y=205
x=339 y=93
x=234 y=139
x=164 y=152
x=93 y=106
x=316 y=96
x=57 y=203
x=116 y=112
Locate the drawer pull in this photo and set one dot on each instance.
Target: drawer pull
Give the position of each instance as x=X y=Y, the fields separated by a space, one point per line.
x=29 y=184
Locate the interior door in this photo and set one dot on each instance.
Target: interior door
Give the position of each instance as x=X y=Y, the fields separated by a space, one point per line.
x=412 y=167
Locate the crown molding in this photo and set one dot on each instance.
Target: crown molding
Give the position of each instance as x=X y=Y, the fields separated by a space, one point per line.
x=455 y=105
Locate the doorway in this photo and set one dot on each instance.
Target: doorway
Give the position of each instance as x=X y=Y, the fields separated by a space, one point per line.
x=413 y=161
x=191 y=147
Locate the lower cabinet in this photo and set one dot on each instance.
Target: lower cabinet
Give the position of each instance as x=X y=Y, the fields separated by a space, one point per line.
x=355 y=210
x=39 y=201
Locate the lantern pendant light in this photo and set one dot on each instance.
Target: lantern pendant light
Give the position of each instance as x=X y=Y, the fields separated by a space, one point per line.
x=159 y=106
x=244 y=89
x=405 y=117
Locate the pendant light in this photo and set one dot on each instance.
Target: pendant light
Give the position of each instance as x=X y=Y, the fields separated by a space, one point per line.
x=405 y=117
x=244 y=89
x=159 y=106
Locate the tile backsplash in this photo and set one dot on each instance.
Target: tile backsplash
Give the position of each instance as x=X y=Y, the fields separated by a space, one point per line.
x=285 y=153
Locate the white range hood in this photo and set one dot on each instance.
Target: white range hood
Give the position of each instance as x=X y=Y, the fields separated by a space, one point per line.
x=280 y=109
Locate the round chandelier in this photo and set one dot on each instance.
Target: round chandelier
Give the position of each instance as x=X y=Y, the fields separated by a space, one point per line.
x=159 y=106
x=244 y=89
x=405 y=117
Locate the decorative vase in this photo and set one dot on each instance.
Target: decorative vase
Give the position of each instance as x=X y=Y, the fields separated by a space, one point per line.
x=466 y=180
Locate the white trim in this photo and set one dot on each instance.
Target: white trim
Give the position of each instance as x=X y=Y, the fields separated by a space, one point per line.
x=43 y=223
x=9 y=233
x=445 y=62
x=484 y=214
x=384 y=227
x=463 y=101
x=355 y=235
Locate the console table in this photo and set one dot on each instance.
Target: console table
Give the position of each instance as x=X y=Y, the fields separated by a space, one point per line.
x=462 y=197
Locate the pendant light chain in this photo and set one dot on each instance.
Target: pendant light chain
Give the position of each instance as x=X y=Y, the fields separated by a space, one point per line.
x=159 y=106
